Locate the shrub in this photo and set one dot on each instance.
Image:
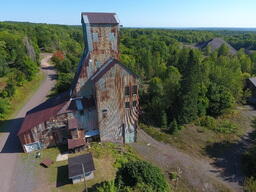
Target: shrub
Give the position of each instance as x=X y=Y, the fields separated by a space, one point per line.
x=141 y=172
x=250 y=185
x=174 y=127
x=226 y=126
x=219 y=126
x=108 y=186
x=207 y=121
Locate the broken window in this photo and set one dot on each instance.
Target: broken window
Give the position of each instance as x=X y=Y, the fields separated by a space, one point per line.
x=134 y=90
x=127 y=91
x=127 y=105
x=95 y=37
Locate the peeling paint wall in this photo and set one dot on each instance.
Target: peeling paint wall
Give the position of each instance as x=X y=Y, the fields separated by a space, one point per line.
x=115 y=121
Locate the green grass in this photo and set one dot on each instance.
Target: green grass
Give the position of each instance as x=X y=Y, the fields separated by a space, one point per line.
x=107 y=157
x=194 y=139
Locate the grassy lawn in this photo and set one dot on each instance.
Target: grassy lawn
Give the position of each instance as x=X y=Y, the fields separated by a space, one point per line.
x=195 y=139
x=107 y=158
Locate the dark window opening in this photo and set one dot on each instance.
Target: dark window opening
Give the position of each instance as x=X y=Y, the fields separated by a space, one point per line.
x=127 y=105
x=81 y=112
x=134 y=90
x=134 y=103
x=104 y=113
x=127 y=91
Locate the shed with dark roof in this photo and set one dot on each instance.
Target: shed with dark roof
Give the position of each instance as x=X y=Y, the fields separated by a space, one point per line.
x=81 y=167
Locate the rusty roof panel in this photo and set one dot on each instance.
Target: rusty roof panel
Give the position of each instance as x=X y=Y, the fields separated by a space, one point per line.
x=73 y=143
x=43 y=112
x=100 y=18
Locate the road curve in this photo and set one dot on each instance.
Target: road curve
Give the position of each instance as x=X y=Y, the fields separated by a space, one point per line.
x=14 y=176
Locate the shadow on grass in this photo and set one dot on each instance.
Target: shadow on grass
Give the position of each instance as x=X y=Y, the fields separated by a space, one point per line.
x=63 y=148
x=12 y=143
x=228 y=156
x=62 y=176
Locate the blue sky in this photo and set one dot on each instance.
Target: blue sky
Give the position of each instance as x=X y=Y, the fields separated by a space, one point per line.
x=136 y=13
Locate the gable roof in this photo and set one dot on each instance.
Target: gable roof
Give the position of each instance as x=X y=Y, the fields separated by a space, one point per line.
x=75 y=165
x=43 y=112
x=107 y=66
x=216 y=43
x=99 y=18
x=253 y=80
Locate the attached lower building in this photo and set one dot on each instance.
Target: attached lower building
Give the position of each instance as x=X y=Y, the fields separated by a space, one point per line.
x=102 y=103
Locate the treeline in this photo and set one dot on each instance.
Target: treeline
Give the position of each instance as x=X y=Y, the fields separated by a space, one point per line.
x=181 y=84
x=20 y=46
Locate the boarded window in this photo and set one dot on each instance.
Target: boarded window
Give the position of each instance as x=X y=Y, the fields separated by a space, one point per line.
x=127 y=105
x=134 y=103
x=127 y=91
x=95 y=37
x=134 y=89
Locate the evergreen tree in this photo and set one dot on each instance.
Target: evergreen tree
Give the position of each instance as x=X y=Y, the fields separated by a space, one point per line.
x=189 y=93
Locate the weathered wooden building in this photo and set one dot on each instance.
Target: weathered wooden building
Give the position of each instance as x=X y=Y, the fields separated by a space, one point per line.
x=102 y=102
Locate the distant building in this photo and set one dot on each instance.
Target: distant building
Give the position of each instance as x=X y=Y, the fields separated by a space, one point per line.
x=216 y=43
x=80 y=168
x=102 y=103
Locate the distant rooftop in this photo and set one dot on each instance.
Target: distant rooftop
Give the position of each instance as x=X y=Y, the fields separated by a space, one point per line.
x=100 y=18
x=215 y=44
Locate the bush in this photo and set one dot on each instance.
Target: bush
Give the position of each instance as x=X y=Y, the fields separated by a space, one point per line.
x=9 y=90
x=207 y=121
x=108 y=186
x=219 y=126
x=134 y=173
x=174 y=127
x=250 y=185
x=4 y=107
x=226 y=126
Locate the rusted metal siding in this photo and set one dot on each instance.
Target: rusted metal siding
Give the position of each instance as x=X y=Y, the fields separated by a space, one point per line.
x=87 y=119
x=115 y=121
x=49 y=133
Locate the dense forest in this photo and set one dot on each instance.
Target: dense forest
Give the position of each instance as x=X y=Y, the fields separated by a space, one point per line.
x=180 y=83
x=20 y=46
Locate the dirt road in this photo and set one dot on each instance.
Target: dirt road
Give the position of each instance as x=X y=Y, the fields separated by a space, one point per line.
x=201 y=175
x=14 y=175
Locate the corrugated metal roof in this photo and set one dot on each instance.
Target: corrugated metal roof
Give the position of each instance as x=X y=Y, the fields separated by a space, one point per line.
x=74 y=143
x=75 y=165
x=107 y=66
x=43 y=112
x=100 y=18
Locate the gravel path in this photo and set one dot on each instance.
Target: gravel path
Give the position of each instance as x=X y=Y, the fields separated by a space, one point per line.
x=223 y=172
x=16 y=176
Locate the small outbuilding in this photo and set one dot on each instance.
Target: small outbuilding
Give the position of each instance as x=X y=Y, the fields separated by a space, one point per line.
x=81 y=167
x=76 y=145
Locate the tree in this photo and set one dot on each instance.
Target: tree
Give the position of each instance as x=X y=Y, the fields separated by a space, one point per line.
x=220 y=99
x=141 y=172
x=188 y=98
x=173 y=127
x=223 y=50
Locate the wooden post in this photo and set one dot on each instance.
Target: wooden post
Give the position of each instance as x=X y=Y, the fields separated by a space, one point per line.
x=84 y=178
